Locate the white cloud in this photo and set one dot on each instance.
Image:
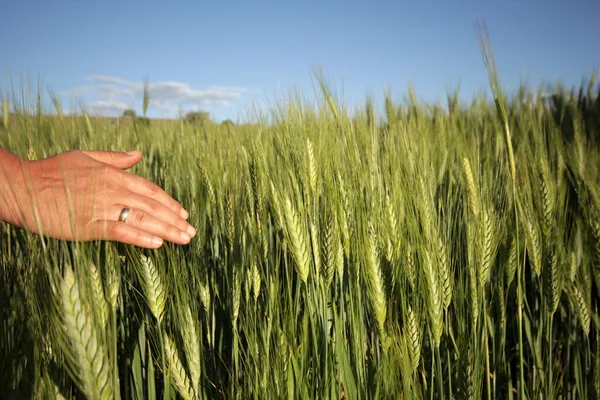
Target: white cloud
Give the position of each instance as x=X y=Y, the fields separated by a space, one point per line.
x=112 y=95
x=105 y=79
x=107 y=90
x=108 y=106
x=79 y=90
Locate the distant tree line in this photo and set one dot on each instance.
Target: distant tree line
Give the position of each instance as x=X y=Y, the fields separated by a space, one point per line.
x=129 y=113
x=198 y=117
x=202 y=117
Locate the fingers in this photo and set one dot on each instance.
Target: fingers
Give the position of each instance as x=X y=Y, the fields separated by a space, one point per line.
x=141 y=229
x=156 y=210
x=134 y=182
x=148 y=223
x=118 y=159
x=149 y=189
x=155 y=216
x=124 y=233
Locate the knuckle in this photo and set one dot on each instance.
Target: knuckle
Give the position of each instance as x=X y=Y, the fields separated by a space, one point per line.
x=140 y=217
x=141 y=237
x=105 y=171
x=181 y=225
x=153 y=189
x=154 y=206
x=93 y=230
x=173 y=232
x=114 y=230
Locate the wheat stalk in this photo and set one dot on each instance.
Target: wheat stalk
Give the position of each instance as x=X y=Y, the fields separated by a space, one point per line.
x=471 y=188
x=230 y=220
x=582 y=310
x=426 y=208
x=595 y=225
x=466 y=373
x=444 y=272
x=573 y=266
x=414 y=338
x=329 y=251
x=376 y=291
x=597 y=370
x=113 y=283
x=513 y=255
x=262 y=238
x=547 y=201
x=487 y=248
x=534 y=248
x=97 y=288
x=180 y=376
x=434 y=301
x=409 y=265
x=312 y=167
x=339 y=259
x=5 y=114
x=206 y=183
x=343 y=223
x=257 y=188
x=490 y=64
x=255 y=279
x=314 y=240
x=297 y=242
x=191 y=344
x=92 y=362
x=392 y=218
x=88 y=125
x=276 y=206
x=552 y=288
x=204 y=293
x=153 y=288
x=236 y=295
x=473 y=283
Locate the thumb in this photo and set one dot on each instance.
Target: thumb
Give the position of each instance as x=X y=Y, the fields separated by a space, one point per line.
x=118 y=159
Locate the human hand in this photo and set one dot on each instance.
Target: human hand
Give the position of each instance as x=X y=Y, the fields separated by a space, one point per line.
x=78 y=195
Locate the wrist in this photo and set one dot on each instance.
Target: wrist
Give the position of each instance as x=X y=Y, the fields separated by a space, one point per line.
x=13 y=190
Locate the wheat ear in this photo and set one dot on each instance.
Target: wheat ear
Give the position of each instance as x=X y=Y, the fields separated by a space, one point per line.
x=155 y=294
x=90 y=355
x=180 y=377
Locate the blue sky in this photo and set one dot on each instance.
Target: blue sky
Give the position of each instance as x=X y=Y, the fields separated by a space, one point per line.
x=224 y=56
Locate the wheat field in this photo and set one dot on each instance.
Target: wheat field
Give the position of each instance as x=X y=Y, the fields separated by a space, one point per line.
x=444 y=251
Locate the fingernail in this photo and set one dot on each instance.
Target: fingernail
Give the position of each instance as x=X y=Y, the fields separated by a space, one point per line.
x=191 y=231
x=131 y=153
x=157 y=241
x=184 y=214
x=185 y=236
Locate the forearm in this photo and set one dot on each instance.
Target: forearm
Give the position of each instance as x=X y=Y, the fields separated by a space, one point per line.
x=12 y=187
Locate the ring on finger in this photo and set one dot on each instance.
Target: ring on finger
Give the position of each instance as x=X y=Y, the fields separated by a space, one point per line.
x=124 y=214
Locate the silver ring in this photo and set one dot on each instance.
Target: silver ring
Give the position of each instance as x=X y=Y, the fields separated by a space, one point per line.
x=124 y=213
